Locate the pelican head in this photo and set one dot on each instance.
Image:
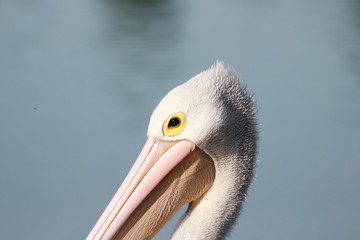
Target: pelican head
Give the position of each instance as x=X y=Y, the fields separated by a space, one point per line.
x=201 y=151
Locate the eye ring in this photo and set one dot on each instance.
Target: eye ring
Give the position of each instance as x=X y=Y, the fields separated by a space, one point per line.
x=175 y=124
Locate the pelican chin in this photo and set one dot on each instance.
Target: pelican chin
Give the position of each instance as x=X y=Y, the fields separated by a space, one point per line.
x=201 y=151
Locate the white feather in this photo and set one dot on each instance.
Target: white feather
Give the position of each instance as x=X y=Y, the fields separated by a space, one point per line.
x=221 y=121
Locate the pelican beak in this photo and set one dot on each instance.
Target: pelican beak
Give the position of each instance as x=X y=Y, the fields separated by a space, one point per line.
x=165 y=176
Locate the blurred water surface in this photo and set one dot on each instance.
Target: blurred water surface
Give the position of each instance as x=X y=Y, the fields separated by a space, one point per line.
x=79 y=80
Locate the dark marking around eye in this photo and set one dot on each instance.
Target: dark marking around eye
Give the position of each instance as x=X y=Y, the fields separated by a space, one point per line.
x=174 y=122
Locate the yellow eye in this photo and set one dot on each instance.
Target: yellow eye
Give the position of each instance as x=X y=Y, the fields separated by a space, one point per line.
x=175 y=124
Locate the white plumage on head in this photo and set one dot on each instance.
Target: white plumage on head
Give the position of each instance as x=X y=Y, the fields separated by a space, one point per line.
x=221 y=121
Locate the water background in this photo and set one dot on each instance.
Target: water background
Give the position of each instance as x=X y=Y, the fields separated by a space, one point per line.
x=79 y=80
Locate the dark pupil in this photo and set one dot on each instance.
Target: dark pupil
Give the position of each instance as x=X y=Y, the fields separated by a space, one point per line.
x=174 y=122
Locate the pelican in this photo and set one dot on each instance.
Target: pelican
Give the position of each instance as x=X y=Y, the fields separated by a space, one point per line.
x=201 y=151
